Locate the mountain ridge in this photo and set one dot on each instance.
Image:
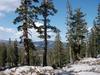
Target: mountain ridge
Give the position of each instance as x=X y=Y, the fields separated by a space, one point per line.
x=38 y=44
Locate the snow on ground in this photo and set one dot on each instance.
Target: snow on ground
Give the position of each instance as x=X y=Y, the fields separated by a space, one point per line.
x=80 y=67
x=90 y=61
x=88 y=73
x=86 y=66
x=89 y=66
x=28 y=70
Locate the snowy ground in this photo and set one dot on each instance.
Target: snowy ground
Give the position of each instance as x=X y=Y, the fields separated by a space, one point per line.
x=29 y=70
x=86 y=66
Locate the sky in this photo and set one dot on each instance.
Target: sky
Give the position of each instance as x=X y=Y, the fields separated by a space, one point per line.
x=7 y=15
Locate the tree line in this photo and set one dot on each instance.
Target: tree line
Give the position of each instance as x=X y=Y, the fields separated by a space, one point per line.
x=12 y=55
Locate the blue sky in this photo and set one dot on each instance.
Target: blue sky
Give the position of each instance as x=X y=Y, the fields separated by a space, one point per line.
x=7 y=8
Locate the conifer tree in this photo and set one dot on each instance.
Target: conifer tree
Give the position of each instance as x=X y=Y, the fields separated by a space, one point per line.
x=3 y=55
x=96 y=29
x=46 y=9
x=92 y=44
x=26 y=17
x=0 y=55
x=21 y=56
x=59 y=52
x=69 y=31
x=78 y=32
x=32 y=51
x=10 y=54
x=16 y=53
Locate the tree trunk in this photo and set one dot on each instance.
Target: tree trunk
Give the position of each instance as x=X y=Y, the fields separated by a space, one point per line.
x=25 y=35
x=26 y=45
x=45 y=37
x=70 y=54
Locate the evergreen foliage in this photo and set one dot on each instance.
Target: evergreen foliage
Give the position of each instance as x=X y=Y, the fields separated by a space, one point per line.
x=80 y=42
x=77 y=33
x=26 y=17
x=3 y=55
x=46 y=9
x=59 y=53
x=16 y=53
x=95 y=35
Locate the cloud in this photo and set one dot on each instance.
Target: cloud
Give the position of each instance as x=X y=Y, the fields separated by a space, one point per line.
x=7 y=6
x=31 y=31
x=6 y=33
x=1 y=15
x=89 y=28
x=8 y=30
x=33 y=34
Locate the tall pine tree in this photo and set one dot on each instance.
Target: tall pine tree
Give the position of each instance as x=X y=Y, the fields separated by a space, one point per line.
x=46 y=9
x=97 y=30
x=69 y=31
x=78 y=28
x=26 y=17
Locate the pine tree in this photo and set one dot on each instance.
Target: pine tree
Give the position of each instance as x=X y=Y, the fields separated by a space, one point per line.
x=59 y=52
x=26 y=17
x=21 y=56
x=92 y=44
x=3 y=55
x=46 y=9
x=10 y=54
x=16 y=53
x=32 y=52
x=96 y=29
x=69 y=32
x=78 y=32
x=0 y=55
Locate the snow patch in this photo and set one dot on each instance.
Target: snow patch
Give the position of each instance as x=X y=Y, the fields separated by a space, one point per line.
x=86 y=66
x=88 y=73
x=89 y=66
x=29 y=70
